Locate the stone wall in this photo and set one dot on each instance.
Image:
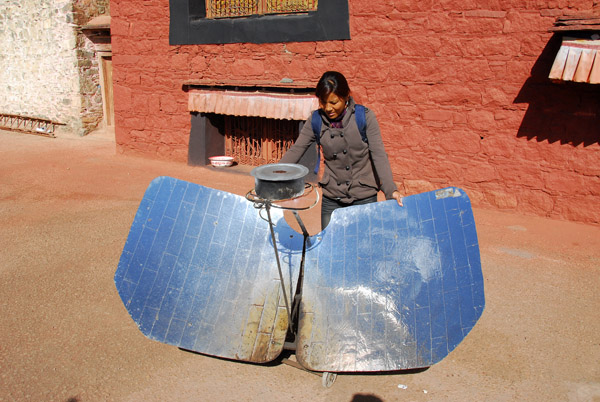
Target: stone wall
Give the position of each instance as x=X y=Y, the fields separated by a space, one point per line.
x=47 y=68
x=87 y=63
x=460 y=90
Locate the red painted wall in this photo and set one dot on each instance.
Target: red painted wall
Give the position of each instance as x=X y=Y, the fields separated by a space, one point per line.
x=460 y=89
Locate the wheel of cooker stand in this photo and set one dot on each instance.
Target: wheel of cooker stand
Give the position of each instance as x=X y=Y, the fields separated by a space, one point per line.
x=328 y=379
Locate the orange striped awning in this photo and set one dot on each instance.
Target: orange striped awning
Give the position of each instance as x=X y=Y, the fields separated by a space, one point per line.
x=252 y=104
x=577 y=60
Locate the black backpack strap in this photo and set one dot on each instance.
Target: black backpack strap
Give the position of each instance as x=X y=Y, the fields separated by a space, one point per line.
x=316 y=123
x=360 y=115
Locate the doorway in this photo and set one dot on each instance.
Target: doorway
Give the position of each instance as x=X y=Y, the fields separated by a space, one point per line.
x=107 y=89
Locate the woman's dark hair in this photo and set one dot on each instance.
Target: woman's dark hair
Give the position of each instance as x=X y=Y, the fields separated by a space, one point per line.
x=332 y=82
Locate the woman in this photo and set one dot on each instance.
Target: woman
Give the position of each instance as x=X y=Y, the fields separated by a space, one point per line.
x=354 y=170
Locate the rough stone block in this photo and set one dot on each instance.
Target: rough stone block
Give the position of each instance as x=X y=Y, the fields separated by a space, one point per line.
x=502 y=199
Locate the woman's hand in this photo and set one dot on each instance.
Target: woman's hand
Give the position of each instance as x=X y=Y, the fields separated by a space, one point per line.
x=396 y=195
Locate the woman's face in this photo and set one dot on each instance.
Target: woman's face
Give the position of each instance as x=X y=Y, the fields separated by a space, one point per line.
x=333 y=106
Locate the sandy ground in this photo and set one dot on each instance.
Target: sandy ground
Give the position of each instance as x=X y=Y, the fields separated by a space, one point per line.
x=66 y=205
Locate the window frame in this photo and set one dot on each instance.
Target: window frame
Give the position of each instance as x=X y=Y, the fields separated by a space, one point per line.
x=262 y=9
x=189 y=25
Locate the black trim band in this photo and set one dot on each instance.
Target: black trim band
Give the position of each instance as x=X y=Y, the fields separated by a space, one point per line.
x=188 y=25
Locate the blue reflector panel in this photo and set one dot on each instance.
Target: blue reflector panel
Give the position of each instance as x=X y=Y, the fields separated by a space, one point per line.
x=390 y=288
x=385 y=287
x=198 y=272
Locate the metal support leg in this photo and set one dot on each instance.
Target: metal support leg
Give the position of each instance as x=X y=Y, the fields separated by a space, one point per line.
x=287 y=305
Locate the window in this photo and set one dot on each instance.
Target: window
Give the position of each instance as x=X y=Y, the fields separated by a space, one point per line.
x=245 y=8
x=256 y=141
x=195 y=22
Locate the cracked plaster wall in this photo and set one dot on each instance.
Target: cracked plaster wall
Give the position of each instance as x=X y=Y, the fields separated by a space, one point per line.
x=48 y=69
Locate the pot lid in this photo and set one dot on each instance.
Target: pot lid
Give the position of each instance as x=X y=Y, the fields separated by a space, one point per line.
x=279 y=172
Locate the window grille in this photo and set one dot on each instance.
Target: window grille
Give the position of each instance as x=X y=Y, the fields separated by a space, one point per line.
x=256 y=141
x=244 y=8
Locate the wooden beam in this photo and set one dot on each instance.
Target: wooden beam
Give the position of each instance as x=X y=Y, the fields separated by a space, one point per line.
x=556 y=72
x=579 y=27
x=595 y=72
x=585 y=65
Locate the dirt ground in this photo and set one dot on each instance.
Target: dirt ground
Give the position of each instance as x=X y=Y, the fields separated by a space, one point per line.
x=66 y=205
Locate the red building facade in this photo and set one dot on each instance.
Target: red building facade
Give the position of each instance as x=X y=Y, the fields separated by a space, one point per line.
x=460 y=89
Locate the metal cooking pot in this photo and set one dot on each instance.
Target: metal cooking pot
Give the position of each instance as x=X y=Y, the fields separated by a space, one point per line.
x=279 y=181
